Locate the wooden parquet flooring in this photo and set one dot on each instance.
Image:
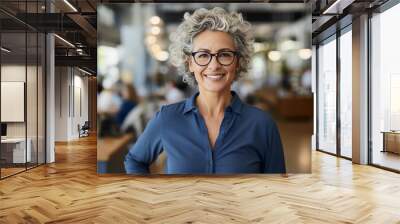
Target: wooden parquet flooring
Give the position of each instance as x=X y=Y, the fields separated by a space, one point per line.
x=10 y=171
x=70 y=191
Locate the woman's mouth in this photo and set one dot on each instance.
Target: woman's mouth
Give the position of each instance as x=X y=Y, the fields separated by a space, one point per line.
x=214 y=77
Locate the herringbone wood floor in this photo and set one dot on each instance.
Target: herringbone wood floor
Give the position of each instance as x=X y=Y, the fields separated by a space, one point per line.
x=70 y=191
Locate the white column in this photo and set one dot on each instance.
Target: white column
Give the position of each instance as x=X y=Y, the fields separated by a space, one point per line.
x=50 y=94
x=62 y=103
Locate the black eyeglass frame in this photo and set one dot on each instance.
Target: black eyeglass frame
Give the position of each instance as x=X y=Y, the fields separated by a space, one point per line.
x=235 y=54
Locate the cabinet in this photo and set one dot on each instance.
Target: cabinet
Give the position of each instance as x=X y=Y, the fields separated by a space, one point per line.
x=13 y=150
x=391 y=141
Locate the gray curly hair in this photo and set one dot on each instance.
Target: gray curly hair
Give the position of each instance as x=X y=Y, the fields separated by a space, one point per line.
x=216 y=19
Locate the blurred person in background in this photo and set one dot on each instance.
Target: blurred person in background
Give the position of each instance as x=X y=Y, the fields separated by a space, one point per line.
x=306 y=80
x=108 y=101
x=213 y=131
x=137 y=118
x=173 y=93
x=246 y=89
x=129 y=101
x=108 y=105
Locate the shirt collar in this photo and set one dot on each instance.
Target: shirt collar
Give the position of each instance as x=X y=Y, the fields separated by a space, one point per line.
x=235 y=106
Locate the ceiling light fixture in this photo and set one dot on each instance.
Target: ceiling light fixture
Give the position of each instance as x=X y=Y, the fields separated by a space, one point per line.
x=84 y=71
x=337 y=7
x=64 y=40
x=5 y=50
x=70 y=5
x=333 y=6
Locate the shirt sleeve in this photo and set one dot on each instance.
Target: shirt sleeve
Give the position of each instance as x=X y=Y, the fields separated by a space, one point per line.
x=146 y=149
x=274 y=159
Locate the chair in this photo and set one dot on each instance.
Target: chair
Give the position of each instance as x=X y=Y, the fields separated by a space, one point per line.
x=84 y=130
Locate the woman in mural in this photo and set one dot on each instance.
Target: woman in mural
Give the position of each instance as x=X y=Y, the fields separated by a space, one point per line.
x=213 y=131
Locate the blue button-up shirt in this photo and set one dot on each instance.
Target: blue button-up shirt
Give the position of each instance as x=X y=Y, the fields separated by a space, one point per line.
x=248 y=142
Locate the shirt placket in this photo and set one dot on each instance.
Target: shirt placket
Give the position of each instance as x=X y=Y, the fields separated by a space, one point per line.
x=206 y=142
x=226 y=122
x=212 y=153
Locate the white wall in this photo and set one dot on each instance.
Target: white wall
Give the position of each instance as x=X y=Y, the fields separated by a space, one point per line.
x=33 y=126
x=71 y=94
x=61 y=103
x=12 y=73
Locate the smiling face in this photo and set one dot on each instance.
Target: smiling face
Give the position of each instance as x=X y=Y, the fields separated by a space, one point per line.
x=214 y=77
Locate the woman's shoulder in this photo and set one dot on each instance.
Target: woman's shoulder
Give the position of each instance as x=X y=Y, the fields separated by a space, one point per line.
x=173 y=109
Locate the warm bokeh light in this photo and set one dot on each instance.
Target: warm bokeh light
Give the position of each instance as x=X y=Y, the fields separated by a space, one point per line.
x=274 y=55
x=155 y=30
x=162 y=55
x=155 y=20
x=305 y=53
x=151 y=39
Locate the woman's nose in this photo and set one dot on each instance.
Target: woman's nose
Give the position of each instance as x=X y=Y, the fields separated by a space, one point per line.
x=214 y=63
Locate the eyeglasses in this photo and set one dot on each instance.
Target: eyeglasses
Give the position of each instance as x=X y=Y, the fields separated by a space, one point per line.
x=204 y=58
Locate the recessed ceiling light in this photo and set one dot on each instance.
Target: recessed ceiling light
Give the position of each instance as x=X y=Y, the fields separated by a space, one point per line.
x=337 y=7
x=5 y=50
x=84 y=71
x=70 y=5
x=64 y=40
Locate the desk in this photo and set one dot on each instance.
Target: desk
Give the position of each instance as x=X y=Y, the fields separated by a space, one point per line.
x=391 y=141
x=110 y=145
x=296 y=107
x=111 y=153
x=13 y=150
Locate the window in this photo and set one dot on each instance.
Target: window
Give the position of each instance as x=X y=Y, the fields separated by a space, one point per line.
x=327 y=96
x=346 y=93
x=22 y=76
x=385 y=88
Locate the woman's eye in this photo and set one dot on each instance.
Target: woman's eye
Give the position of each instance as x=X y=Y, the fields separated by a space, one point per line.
x=225 y=54
x=203 y=55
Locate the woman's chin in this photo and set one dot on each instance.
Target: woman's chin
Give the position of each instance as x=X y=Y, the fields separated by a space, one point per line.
x=216 y=87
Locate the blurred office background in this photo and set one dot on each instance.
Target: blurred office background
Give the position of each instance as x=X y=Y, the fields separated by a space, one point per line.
x=48 y=79
x=135 y=76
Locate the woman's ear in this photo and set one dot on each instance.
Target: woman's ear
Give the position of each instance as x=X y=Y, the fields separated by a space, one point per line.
x=237 y=66
x=190 y=64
